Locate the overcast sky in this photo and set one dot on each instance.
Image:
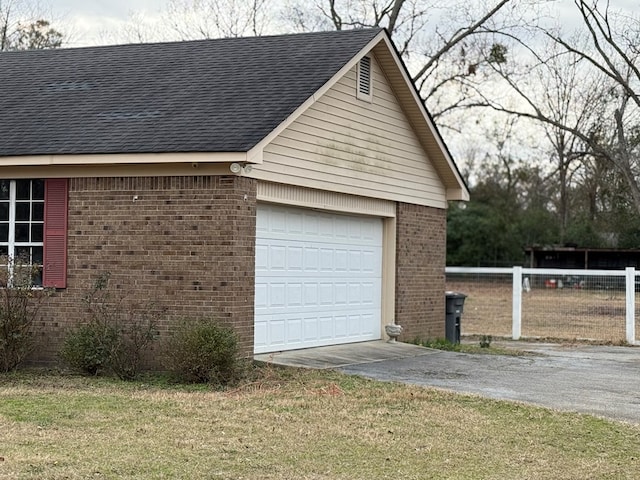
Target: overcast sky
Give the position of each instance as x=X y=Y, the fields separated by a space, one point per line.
x=90 y=19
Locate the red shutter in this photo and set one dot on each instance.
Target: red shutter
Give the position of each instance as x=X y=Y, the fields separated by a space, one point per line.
x=55 y=233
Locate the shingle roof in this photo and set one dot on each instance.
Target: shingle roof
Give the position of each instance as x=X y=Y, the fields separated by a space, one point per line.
x=220 y=95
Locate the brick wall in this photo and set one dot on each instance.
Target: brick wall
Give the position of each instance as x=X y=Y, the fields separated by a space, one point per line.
x=420 y=265
x=184 y=243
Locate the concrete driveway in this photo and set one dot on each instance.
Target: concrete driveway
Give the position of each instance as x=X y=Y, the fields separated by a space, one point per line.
x=599 y=380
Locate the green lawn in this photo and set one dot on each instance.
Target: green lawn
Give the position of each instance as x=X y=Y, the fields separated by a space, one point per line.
x=294 y=424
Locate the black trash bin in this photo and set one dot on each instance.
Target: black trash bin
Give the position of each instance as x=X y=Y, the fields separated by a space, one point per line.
x=454 y=307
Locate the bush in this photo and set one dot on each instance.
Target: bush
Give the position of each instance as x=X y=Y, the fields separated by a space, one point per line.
x=88 y=347
x=19 y=306
x=132 y=341
x=203 y=351
x=115 y=336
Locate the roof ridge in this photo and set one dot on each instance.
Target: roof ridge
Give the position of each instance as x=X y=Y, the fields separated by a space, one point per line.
x=351 y=31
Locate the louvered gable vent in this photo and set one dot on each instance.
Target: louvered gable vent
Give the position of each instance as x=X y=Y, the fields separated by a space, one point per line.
x=364 y=79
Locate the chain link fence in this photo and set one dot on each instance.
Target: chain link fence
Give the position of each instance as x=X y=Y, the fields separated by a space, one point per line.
x=549 y=304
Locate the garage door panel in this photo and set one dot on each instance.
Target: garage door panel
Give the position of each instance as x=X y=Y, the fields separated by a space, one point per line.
x=326 y=260
x=318 y=278
x=277 y=221
x=354 y=294
x=277 y=257
x=312 y=330
x=321 y=238
x=340 y=260
x=262 y=258
x=355 y=261
x=356 y=324
x=341 y=327
x=325 y=294
x=294 y=330
x=325 y=328
x=369 y=291
x=276 y=296
x=311 y=295
x=294 y=258
x=261 y=333
x=261 y=296
x=294 y=295
x=311 y=259
x=272 y=256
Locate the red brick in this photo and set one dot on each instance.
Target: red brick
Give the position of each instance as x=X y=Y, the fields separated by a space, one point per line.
x=176 y=245
x=420 y=271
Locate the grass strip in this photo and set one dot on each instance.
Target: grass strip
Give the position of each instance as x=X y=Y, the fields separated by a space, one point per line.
x=290 y=423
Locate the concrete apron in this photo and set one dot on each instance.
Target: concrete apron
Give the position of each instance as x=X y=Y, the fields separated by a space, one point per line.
x=336 y=356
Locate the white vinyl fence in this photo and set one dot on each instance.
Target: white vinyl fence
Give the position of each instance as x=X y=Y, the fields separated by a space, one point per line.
x=561 y=304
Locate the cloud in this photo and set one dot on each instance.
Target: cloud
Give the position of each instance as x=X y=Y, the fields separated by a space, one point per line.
x=97 y=23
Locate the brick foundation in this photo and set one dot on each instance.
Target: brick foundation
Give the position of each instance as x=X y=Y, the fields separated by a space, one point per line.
x=420 y=276
x=185 y=243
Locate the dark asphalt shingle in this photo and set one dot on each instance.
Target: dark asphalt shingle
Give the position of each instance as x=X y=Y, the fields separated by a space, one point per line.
x=221 y=95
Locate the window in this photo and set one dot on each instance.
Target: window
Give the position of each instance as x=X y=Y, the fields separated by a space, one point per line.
x=33 y=228
x=365 y=85
x=22 y=224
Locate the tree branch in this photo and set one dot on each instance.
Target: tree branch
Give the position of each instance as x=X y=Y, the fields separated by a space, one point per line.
x=458 y=37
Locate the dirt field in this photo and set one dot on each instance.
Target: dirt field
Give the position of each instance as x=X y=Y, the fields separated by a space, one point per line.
x=554 y=313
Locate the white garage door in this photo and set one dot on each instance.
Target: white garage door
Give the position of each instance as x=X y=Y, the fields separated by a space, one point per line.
x=318 y=278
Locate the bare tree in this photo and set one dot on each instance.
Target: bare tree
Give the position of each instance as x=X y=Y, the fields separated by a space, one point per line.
x=572 y=95
x=200 y=19
x=442 y=42
x=22 y=27
x=193 y=19
x=610 y=54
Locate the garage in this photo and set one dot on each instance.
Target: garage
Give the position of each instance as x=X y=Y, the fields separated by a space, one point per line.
x=318 y=278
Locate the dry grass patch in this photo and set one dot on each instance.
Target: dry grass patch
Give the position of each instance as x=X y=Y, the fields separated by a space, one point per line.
x=554 y=313
x=294 y=424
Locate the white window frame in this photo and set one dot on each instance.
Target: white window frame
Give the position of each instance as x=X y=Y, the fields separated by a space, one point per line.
x=11 y=244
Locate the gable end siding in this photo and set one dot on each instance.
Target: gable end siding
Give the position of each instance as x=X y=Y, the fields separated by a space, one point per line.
x=345 y=145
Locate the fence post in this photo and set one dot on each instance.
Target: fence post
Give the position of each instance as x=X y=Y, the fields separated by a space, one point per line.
x=631 y=304
x=517 y=303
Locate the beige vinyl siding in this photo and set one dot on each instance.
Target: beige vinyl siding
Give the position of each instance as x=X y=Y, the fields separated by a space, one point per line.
x=344 y=144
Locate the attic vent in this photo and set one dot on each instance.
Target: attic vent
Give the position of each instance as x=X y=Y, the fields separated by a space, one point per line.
x=364 y=79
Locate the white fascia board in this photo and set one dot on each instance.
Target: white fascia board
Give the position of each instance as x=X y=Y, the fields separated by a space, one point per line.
x=123 y=159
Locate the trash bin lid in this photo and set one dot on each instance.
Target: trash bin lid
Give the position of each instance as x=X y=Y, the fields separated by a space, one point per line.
x=451 y=294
